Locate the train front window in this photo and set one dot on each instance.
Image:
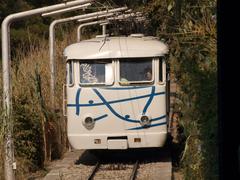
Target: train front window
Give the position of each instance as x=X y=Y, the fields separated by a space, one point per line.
x=96 y=72
x=138 y=70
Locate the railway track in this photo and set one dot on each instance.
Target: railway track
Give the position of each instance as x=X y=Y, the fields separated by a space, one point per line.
x=97 y=168
x=134 y=172
x=148 y=164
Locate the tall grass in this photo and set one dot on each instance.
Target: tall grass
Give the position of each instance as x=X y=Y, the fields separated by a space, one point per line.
x=39 y=131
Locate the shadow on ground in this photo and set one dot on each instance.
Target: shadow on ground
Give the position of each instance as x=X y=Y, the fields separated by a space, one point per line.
x=91 y=157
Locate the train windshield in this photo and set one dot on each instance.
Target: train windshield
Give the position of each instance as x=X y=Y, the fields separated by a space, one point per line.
x=96 y=72
x=136 y=70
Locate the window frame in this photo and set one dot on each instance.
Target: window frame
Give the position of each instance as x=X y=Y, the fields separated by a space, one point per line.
x=136 y=82
x=70 y=62
x=96 y=84
x=161 y=60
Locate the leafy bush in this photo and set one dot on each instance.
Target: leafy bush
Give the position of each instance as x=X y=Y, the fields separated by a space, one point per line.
x=190 y=30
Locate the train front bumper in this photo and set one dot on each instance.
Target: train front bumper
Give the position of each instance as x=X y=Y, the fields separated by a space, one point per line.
x=118 y=141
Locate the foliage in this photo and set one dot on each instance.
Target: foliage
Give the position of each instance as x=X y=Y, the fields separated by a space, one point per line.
x=27 y=133
x=192 y=42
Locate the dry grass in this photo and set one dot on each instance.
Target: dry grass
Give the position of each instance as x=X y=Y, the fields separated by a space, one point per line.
x=26 y=105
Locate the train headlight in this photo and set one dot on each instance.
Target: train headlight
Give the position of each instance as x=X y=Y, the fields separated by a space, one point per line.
x=145 y=120
x=88 y=122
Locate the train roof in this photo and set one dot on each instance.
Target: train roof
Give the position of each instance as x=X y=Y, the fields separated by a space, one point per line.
x=134 y=46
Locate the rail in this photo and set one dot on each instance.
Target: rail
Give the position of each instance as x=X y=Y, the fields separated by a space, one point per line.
x=134 y=172
x=98 y=164
x=95 y=169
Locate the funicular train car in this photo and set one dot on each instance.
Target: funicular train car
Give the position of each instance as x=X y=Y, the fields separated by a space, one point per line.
x=116 y=93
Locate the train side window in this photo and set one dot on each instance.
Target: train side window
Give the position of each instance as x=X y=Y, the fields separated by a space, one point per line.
x=70 y=72
x=160 y=70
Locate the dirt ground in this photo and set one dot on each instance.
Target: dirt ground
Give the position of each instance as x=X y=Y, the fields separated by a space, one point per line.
x=177 y=175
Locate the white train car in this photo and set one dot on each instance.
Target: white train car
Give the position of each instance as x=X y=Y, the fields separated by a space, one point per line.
x=116 y=93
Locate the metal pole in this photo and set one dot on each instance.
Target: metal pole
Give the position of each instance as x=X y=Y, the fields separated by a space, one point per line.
x=87 y=24
x=52 y=48
x=66 y=10
x=104 y=28
x=52 y=39
x=123 y=16
x=8 y=142
x=89 y=19
x=52 y=62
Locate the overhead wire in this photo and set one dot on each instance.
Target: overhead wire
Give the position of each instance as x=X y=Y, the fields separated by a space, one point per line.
x=118 y=25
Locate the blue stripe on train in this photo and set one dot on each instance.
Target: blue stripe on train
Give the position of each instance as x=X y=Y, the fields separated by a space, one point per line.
x=115 y=101
x=149 y=100
x=107 y=104
x=100 y=117
x=152 y=125
x=126 y=88
x=111 y=109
